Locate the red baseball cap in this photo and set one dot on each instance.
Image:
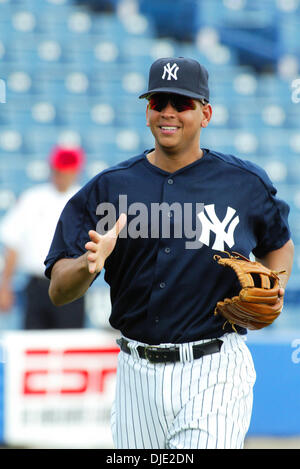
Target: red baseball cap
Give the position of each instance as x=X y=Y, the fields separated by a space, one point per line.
x=67 y=158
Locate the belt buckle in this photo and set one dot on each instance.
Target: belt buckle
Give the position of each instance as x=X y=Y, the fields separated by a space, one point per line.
x=149 y=349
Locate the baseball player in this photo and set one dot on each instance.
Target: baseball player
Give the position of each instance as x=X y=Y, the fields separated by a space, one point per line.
x=154 y=223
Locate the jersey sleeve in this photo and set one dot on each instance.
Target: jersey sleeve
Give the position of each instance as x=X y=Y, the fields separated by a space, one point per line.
x=271 y=217
x=71 y=234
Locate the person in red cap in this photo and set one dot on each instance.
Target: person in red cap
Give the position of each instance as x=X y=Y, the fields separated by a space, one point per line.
x=26 y=232
x=65 y=163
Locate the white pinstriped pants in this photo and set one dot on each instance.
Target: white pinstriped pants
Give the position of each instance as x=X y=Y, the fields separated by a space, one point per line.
x=191 y=404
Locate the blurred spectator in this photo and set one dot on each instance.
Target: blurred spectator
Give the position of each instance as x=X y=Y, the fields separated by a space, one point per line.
x=26 y=233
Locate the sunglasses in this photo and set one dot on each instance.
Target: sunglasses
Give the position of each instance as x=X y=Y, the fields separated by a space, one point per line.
x=157 y=102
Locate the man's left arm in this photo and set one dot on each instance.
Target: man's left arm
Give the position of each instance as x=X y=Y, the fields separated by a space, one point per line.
x=280 y=259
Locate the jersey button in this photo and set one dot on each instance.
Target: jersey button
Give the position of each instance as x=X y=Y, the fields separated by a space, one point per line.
x=167 y=250
x=170 y=181
x=162 y=285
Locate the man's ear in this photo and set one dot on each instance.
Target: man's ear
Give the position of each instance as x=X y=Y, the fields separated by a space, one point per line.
x=207 y=113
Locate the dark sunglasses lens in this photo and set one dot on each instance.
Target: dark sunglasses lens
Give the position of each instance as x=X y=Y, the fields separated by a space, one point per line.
x=183 y=103
x=180 y=103
x=158 y=102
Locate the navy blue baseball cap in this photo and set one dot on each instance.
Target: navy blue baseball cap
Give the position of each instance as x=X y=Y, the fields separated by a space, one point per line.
x=178 y=75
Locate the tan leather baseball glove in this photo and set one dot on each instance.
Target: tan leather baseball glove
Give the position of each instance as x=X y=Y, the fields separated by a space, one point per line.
x=258 y=303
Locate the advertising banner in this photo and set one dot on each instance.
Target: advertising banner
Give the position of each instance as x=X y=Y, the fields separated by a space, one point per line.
x=59 y=388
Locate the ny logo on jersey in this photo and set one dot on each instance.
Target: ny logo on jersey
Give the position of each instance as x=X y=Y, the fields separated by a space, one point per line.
x=171 y=71
x=210 y=222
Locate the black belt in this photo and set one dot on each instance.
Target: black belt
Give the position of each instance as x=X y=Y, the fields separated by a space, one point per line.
x=162 y=355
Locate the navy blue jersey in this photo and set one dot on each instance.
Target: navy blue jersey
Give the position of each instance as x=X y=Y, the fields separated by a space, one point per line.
x=164 y=282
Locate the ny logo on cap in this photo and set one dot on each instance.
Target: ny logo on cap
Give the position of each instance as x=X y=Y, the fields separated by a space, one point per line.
x=171 y=71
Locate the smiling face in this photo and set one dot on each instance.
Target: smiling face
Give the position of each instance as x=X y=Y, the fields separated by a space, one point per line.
x=176 y=130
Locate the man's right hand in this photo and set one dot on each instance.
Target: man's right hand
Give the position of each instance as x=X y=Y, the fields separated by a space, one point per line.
x=101 y=246
x=71 y=277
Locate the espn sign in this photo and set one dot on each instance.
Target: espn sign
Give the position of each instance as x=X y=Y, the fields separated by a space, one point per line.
x=70 y=371
x=59 y=388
